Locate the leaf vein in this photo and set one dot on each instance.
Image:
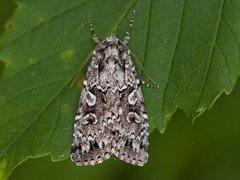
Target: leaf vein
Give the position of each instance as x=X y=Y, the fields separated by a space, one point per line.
x=211 y=55
x=174 y=56
x=147 y=35
x=30 y=89
x=35 y=118
x=226 y=61
x=233 y=33
x=19 y=115
x=124 y=14
x=55 y=124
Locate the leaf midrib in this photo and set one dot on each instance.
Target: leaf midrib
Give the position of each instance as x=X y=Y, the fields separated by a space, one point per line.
x=173 y=58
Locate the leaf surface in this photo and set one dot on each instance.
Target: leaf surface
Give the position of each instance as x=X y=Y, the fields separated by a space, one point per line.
x=190 y=48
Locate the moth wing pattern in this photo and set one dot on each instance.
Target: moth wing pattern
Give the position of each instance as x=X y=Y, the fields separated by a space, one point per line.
x=133 y=144
x=91 y=144
x=111 y=117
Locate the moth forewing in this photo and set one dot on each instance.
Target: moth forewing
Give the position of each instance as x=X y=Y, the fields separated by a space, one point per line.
x=111 y=118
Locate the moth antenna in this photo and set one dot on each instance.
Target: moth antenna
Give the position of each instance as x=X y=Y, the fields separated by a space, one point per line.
x=127 y=33
x=94 y=35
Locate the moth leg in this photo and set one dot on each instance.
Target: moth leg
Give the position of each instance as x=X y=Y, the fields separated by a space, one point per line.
x=94 y=35
x=149 y=85
x=154 y=84
x=127 y=33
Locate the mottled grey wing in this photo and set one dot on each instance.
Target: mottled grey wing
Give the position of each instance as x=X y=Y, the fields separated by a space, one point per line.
x=91 y=140
x=91 y=144
x=133 y=144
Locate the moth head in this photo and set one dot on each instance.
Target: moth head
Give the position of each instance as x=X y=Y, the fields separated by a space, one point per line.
x=112 y=38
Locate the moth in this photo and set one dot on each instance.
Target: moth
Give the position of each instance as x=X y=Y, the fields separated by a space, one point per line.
x=111 y=119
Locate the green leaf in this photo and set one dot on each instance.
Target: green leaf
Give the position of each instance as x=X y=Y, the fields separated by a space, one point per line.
x=190 y=48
